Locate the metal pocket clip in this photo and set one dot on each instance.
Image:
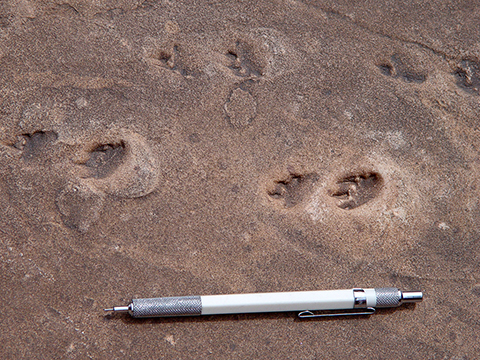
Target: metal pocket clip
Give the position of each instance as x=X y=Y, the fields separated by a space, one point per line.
x=307 y=314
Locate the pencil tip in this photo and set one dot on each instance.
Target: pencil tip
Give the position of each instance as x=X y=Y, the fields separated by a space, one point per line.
x=119 y=309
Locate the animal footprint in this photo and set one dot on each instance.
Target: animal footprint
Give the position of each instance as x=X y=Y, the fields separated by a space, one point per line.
x=171 y=58
x=355 y=190
x=244 y=62
x=468 y=76
x=262 y=53
x=293 y=189
x=164 y=58
x=35 y=145
x=399 y=68
x=105 y=159
x=123 y=166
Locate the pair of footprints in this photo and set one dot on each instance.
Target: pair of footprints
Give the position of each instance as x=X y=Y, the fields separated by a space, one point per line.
x=240 y=107
x=400 y=69
x=122 y=166
x=467 y=73
x=242 y=60
x=350 y=191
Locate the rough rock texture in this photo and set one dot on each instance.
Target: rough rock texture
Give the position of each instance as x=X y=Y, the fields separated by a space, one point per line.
x=162 y=148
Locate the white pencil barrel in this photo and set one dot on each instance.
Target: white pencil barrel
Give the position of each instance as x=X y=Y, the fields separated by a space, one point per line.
x=277 y=301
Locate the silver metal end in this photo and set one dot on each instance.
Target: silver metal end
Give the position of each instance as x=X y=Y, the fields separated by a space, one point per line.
x=392 y=297
x=411 y=296
x=120 y=309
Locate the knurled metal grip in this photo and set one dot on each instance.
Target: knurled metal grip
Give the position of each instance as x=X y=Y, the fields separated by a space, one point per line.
x=388 y=297
x=168 y=306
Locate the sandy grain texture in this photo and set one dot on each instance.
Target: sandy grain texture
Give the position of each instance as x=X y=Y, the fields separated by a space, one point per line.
x=163 y=148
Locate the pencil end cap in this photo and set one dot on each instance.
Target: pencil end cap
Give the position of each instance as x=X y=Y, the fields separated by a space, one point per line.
x=411 y=296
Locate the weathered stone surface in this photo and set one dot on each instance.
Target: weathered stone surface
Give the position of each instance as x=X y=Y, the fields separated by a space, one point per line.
x=235 y=147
